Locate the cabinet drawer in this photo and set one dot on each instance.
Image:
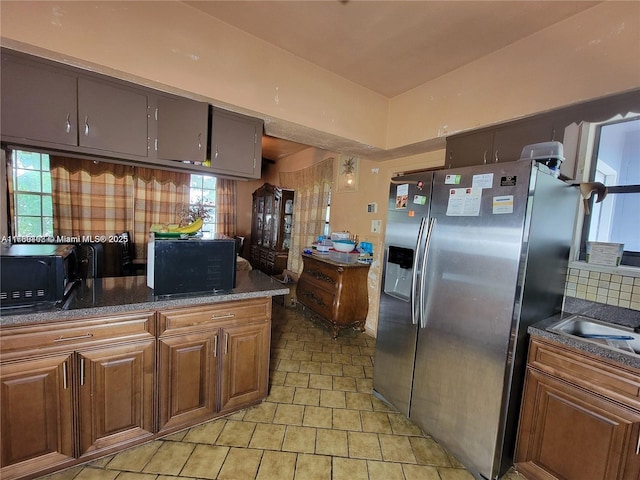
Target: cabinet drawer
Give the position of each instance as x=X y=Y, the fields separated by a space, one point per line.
x=239 y=312
x=613 y=380
x=18 y=340
x=317 y=299
x=323 y=276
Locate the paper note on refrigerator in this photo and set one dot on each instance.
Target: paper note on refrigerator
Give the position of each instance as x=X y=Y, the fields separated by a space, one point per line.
x=402 y=195
x=464 y=202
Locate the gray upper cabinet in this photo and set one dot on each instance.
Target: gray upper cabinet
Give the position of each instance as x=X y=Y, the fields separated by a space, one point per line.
x=182 y=129
x=475 y=148
x=39 y=103
x=497 y=144
x=509 y=141
x=112 y=118
x=236 y=144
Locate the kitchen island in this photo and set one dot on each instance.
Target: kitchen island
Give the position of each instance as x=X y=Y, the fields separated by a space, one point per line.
x=116 y=366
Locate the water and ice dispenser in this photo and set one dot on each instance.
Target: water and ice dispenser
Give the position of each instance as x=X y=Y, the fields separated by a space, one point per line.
x=399 y=272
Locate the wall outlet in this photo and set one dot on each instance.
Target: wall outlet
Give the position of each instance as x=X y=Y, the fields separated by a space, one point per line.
x=376 y=226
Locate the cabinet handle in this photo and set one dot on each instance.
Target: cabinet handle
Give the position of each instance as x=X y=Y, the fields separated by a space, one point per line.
x=496 y=157
x=226 y=343
x=66 y=339
x=200 y=141
x=81 y=371
x=156 y=114
x=215 y=346
x=226 y=315
x=65 y=382
x=216 y=155
x=484 y=158
x=155 y=144
x=86 y=126
x=68 y=129
x=638 y=445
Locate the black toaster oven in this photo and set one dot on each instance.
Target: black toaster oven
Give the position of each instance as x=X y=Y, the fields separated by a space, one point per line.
x=34 y=274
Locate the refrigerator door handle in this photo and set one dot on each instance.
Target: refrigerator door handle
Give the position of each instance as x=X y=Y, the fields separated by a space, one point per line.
x=423 y=272
x=416 y=287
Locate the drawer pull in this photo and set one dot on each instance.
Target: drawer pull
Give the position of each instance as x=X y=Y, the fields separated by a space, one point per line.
x=219 y=317
x=65 y=382
x=62 y=338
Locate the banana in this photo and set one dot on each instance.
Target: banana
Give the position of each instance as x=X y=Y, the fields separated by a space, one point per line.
x=193 y=227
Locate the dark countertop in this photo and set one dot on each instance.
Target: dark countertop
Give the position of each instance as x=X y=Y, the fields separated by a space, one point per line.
x=113 y=295
x=597 y=311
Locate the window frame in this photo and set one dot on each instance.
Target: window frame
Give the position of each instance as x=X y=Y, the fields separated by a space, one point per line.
x=15 y=215
x=211 y=222
x=590 y=135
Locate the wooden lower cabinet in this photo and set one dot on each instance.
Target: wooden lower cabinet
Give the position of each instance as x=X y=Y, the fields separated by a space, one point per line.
x=74 y=390
x=213 y=360
x=568 y=429
x=245 y=365
x=187 y=372
x=115 y=389
x=37 y=415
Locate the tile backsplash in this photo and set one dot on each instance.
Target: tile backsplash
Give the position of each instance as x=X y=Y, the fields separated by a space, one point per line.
x=603 y=287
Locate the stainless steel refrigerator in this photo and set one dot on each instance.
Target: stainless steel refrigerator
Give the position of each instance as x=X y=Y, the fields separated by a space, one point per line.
x=473 y=256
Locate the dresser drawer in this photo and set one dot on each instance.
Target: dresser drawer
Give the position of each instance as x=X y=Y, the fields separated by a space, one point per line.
x=613 y=380
x=68 y=335
x=321 y=275
x=228 y=313
x=319 y=300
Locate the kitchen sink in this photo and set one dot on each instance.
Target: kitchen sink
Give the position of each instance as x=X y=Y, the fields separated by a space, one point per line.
x=608 y=335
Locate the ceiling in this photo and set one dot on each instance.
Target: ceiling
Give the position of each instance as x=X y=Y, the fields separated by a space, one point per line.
x=389 y=47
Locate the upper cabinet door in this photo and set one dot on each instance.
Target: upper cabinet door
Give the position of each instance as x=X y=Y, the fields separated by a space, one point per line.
x=469 y=149
x=38 y=102
x=236 y=144
x=509 y=141
x=112 y=118
x=182 y=129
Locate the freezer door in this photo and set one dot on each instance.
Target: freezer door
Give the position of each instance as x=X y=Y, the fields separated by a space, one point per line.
x=470 y=284
x=408 y=209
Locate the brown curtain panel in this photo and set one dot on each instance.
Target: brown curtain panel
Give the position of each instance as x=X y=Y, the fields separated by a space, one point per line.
x=158 y=196
x=226 y=218
x=312 y=188
x=99 y=198
x=89 y=199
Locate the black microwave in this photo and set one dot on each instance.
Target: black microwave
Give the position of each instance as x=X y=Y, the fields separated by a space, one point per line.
x=34 y=274
x=177 y=266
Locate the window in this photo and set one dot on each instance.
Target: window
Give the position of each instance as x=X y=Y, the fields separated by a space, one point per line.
x=616 y=163
x=202 y=192
x=326 y=220
x=33 y=203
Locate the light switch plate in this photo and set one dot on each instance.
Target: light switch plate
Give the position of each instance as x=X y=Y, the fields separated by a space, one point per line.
x=372 y=207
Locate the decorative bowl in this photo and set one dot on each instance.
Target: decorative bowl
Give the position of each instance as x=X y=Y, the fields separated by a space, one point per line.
x=344 y=246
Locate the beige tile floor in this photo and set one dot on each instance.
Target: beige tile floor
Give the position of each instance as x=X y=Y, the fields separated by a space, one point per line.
x=319 y=422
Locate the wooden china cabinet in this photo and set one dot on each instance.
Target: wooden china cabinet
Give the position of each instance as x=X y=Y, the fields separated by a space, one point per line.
x=271 y=227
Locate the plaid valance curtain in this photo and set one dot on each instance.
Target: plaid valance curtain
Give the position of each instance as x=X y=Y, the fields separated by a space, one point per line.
x=312 y=188
x=96 y=198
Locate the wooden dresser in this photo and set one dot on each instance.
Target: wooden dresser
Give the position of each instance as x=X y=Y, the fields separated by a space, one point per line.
x=335 y=290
